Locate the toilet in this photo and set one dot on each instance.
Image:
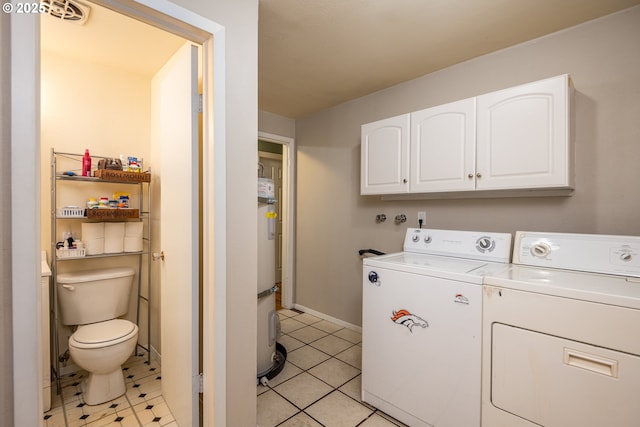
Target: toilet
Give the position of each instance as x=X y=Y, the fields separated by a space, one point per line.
x=93 y=301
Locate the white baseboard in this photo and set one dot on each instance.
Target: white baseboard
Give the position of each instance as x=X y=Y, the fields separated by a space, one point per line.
x=155 y=355
x=69 y=369
x=327 y=317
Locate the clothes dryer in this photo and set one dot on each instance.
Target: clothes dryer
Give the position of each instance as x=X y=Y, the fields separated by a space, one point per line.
x=561 y=333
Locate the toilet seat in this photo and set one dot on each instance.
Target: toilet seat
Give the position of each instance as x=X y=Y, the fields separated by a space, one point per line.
x=103 y=334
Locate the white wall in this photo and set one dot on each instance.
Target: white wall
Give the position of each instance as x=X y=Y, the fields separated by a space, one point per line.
x=276 y=125
x=107 y=110
x=240 y=18
x=87 y=105
x=6 y=360
x=334 y=221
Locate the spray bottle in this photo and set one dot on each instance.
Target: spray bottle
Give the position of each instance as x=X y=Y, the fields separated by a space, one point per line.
x=86 y=163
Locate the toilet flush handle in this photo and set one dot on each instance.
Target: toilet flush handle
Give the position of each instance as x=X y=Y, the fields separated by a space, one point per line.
x=157 y=256
x=69 y=287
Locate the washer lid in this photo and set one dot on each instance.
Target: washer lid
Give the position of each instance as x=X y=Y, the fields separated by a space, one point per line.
x=102 y=332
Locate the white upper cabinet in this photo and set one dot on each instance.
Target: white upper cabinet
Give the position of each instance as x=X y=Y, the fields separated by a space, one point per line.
x=443 y=144
x=385 y=156
x=523 y=139
x=516 y=139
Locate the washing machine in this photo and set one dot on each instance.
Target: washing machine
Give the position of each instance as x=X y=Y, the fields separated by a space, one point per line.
x=561 y=331
x=421 y=325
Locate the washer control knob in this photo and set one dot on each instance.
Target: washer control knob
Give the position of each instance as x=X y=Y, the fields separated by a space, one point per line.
x=373 y=278
x=485 y=244
x=540 y=249
x=427 y=239
x=415 y=238
x=626 y=257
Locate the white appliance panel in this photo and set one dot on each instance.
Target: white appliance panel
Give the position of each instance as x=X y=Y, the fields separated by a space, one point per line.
x=432 y=265
x=552 y=381
x=581 y=252
x=613 y=290
x=266 y=280
x=477 y=245
x=418 y=364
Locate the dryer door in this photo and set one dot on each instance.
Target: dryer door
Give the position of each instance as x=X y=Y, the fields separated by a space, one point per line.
x=555 y=382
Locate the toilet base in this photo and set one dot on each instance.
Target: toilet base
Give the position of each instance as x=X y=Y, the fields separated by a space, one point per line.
x=101 y=388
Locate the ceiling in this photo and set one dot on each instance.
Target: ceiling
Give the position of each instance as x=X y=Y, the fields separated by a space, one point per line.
x=111 y=39
x=317 y=54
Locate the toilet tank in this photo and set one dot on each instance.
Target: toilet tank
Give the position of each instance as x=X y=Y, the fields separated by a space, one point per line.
x=94 y=296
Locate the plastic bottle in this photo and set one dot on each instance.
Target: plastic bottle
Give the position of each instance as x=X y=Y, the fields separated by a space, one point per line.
x=86 y=163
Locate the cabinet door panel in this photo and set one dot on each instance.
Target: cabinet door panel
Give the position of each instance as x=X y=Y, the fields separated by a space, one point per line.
x=385 y=156
x=443 y=147
x=523 y=136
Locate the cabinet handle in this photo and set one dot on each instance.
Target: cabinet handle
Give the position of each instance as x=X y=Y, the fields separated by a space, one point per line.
x=470 y=176
x=479 y=175
x=404 y=181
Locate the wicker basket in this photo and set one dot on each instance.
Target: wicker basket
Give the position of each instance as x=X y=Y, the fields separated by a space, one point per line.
x=105 y=214
x=122 y=176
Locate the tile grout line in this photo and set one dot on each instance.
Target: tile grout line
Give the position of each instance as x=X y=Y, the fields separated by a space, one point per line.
x=66 y=406
x=330 y=356
x=333 y=389
x=135 y=414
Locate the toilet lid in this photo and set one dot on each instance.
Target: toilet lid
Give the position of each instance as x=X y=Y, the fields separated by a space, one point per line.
x=104 y=332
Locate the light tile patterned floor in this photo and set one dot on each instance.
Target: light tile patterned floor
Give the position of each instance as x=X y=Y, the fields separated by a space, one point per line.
x=320 y=383
x=318 y=387
x=141 y=405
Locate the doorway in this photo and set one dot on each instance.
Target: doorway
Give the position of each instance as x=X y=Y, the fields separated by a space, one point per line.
x=281 y=158
x=25 y=142
x=110 y=101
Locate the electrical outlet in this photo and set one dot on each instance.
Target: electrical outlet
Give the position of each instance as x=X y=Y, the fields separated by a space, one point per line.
x=422 y=216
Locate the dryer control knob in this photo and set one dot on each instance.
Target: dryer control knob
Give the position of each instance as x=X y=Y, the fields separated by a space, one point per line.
x=626 y=257
x=415 y=238
x=540 y=249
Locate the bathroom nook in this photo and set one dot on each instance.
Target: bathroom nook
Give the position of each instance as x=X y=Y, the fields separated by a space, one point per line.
x=100 y=235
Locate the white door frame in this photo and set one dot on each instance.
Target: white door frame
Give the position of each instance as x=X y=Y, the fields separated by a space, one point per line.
x=25 y=227
x=288 y=214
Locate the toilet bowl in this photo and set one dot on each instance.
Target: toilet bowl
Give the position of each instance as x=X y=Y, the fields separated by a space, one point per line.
x=100 y=349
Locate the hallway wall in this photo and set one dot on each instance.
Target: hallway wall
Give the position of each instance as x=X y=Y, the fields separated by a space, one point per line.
x=6 y=325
